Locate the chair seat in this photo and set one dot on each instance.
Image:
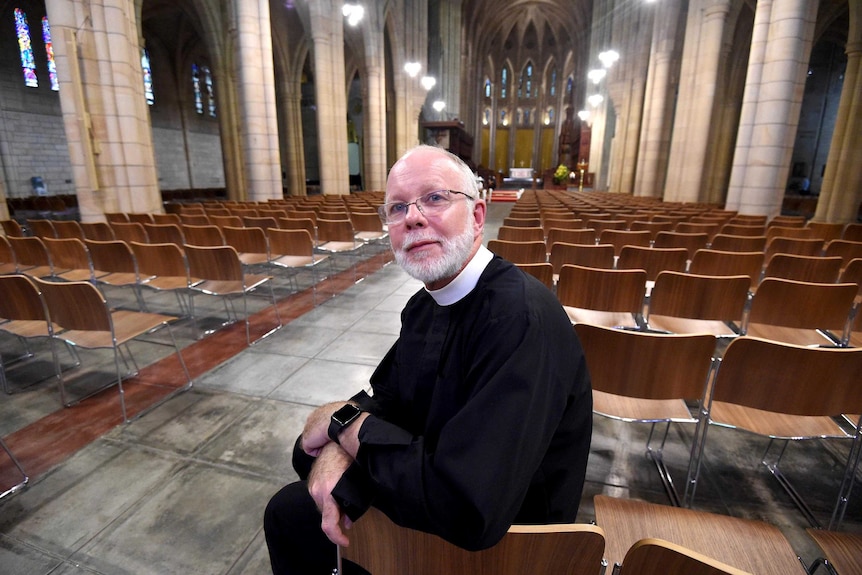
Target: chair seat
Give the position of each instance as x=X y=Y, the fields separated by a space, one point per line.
x=8 y=268
x=336 y=247
x=674 y=324
x=371 y=236
x=297 y=261
x=637 y=409
x=118 y=278
x=223 y=287
x=602 y=318
x=775 y=425
x=793 y=335
x=27 y=327
x=252 y=259
x=169 y=282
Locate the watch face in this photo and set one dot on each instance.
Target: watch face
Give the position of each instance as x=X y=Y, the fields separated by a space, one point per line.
x=346 y=414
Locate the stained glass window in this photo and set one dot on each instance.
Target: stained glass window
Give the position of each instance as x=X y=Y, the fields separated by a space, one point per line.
x=529 y=81
x=148 y=77
x=504 y=82
x=553 y=87
x=208 y=81
x=49 y=50
x=28 y=62
x=487 y=88
x=196 y=86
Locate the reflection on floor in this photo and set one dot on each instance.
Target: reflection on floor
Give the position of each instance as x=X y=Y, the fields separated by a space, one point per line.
x=182 y=488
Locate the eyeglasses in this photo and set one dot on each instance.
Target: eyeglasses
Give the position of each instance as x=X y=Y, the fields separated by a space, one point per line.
x=429 y=204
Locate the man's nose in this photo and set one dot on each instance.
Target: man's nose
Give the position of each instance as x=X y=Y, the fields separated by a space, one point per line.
x=414 y=215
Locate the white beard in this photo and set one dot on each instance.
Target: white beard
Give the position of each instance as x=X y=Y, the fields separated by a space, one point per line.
x=428 y=268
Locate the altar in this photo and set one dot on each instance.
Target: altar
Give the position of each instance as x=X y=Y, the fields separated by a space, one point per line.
x=521 y=173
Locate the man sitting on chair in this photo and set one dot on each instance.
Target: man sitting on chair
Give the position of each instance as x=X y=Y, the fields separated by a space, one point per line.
x=481 y=414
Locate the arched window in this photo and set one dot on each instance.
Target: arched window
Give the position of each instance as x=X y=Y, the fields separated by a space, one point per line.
x=528 y=117
x=28 y=62
x=552 y=86
x=49 y=50
x=202 y=80
x=196 y=86
x=550 y=116
x=148 y=77
x=208 y=81
x=487 y=87
x=570 y=84
x=504 y=82
x=504 y=118
x=486 y=117
x=528 y=81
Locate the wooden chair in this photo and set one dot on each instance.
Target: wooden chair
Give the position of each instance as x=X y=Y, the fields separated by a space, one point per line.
x=846 y=249
x=744 y=396
x=620 y=238
x=786 y=221
x=42 y=228
x=163 y=268
x=12 y=228
x=367 y=227
x=600 y=225
x=815 y=269
x=583 y=236
x=70 y=259
x=690 y=241
x=120 y=217
x=207 y=235
x=658 y=557
x=797 y=246
x=81 y=310
x=825 y=230
x=521 y=234
x=195 y=219
x=543 y=271
x=164 y=234
x=140 y=217
x=294 y=250
x=515 y=222
x=229 y=220
x=748 y=220
x=114 y=264
x=68 y=229
x=8 y=262
x=167 y=219
x=652 y=227
x=586 y=255
x=752 y=546
x=710 y=229
x=519 y=252
x=653 y=260
x=731 y=243
x=382 y=548
x=852 y=232
x=842 y=552
x=100 y=231
x=647 y=378
x=572 y=223
x=611 y=298
x=800 y=313
x=130 y=232
x=250 y=243
x=789 y=232
x=720 y=263
x=731 y=229
x=221 y=272
x=691 y=303
x=32 y=256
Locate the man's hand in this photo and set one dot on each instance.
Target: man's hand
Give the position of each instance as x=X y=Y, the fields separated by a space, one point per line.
x=332 y=462
x=315 y=434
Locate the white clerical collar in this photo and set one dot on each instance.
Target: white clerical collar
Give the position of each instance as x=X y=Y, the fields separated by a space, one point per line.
x=465 y=281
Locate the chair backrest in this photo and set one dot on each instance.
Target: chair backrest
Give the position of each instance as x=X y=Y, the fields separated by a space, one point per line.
x=752 y=369
x=290 y=242
x=584 y=236
x=251 y=240
x=228 y=220
x=827 y=230
x=76 y=305
x=68 y=253
x=42 y=228
x=802 y=305
x=798 y=246
x=130 y=232
x=262 y=222
x=167 y=219
x=721 y=263
x=620 y=238
x=652 y=227
x=787 y=221
x=748 y=220
x=366 y=221
x=710 y=229
x=731 y=229
x=303 y=214
x=208 y=235
x=699 y=297
x=521 y=234
x=515 y=222
x=788 y=232
x=120 y=217
x=550 y=223
x=586 y=255
x=852 y=273
x=164 y=234
x=653 y=260
x=100 y=231
x=30 y=251
x=846 y=249
x=690 y=241
x=519 y=252
x=12 y=228
x=195 y=218
x=600 y=225
x=334 y=230
x=306 y=224
x=731 y=243
x=140 y=217
x=219 y=263
x=160 y=259
x=21 y=299
x=804 y=268
x=542 y=271
x=113 y=256
x=68 y=229
x=852 y=232
x=382 y=547
x=602 y=289
x=7 y=254
x=647 y=365
x=658 y=557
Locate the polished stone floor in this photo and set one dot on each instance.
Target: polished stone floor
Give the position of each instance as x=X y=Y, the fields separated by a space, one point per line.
x=182 y=488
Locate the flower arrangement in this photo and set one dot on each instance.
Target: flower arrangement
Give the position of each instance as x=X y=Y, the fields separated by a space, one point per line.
x=561 y=174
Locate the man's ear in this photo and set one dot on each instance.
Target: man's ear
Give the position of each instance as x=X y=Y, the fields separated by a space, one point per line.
x=479 y=212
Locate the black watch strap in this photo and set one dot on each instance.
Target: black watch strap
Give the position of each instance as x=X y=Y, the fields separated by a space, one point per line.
x=341 y=419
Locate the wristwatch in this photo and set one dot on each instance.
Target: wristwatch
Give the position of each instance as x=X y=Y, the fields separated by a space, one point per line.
x=342 y=418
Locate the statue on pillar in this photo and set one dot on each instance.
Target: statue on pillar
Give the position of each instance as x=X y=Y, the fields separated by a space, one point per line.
x=570 y=140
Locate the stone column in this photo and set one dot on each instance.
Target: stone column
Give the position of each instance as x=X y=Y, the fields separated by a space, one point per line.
x=327 y=32
x=841 y=192
x=294 y=163
x=696 y=101
x=256 y=90
x=105 y=114
x=374 y=134
x=658 y=103
x=759 y=176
